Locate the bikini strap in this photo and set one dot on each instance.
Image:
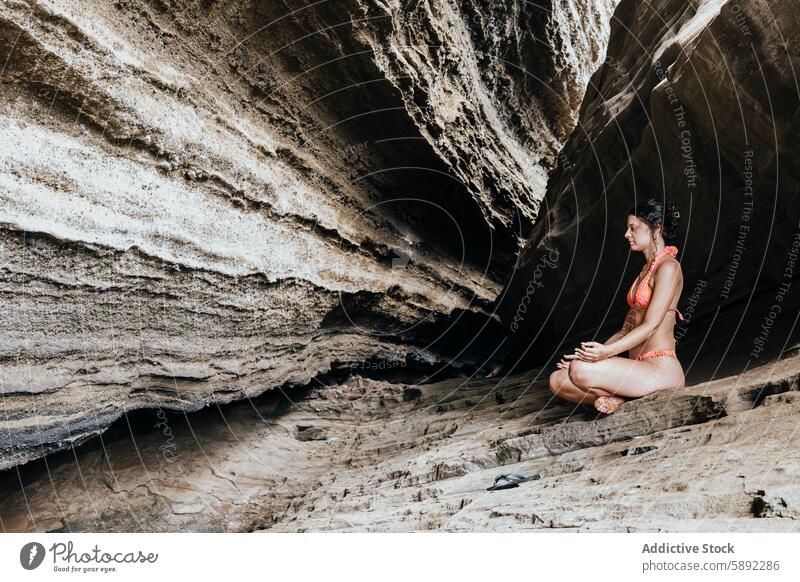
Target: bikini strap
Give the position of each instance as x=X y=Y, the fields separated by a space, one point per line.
x=669 y=249
x=677 y=311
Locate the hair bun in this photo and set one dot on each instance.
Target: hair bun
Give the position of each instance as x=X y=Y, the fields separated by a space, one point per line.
x=659 y=213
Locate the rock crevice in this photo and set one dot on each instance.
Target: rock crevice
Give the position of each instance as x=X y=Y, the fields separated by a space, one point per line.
x=201 y=201
x=695 y=103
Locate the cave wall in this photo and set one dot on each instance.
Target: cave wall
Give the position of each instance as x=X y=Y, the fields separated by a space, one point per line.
x=201 y=200
x=696 y=102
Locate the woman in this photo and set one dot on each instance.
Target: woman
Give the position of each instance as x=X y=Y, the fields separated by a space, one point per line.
x=595 y=374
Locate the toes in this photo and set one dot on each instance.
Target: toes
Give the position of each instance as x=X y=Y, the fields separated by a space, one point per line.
x=608 y=404
x=600 y=404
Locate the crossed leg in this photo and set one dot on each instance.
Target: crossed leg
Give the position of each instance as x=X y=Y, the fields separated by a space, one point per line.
x=627 y=377
x=563 y=387
x=585 y=382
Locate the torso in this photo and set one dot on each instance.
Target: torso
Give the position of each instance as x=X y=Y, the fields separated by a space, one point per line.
x=664 y=336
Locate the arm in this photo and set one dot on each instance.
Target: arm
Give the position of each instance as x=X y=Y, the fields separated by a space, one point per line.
x=602 y=349
x=626 y=327
x=663 y=289
x=619 y=335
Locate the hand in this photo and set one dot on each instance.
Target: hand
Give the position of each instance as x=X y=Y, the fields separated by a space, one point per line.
x=592 y=351
x=564 y=363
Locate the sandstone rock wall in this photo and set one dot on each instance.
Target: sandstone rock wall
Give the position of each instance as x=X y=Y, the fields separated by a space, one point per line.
x=200 y=201
x=699 y=103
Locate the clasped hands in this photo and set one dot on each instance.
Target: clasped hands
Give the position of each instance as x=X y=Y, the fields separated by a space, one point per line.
x=587 y=352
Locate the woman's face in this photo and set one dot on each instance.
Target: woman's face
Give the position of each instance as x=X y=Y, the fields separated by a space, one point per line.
x=638 y=233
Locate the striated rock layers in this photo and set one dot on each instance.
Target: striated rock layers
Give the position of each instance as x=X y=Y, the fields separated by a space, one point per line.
x=368 y=455
x=200 y=201
x=697 y=102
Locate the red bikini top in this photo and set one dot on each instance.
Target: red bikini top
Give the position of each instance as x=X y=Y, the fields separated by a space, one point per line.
x=639 y=295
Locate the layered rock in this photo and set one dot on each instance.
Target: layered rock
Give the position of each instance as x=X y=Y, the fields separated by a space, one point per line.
x=697 y=103
x=200 y=201
x=368 y=455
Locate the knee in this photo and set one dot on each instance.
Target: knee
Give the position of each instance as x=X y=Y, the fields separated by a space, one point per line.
x=579 y=372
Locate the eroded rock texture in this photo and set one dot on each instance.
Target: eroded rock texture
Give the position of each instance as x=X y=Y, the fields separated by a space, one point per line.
x=200 y=201
x=697 y=102
x=367 y=455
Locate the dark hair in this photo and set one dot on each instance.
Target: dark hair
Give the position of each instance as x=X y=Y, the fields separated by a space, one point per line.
x=655 y=214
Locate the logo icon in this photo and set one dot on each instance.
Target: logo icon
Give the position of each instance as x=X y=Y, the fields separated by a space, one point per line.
x=31 y=555
x=401 y=257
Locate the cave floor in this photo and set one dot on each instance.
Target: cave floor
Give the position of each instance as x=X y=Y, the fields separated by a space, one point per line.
x=368 y=455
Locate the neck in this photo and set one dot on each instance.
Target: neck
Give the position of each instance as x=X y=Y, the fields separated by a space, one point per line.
x=649 y=253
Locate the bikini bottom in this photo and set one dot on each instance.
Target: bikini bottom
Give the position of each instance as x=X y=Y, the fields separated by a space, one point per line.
x=655 y=354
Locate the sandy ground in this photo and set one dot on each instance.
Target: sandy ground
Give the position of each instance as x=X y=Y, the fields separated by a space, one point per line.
x=374 y=456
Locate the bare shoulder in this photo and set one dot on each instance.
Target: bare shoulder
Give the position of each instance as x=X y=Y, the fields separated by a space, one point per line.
x=669 y=269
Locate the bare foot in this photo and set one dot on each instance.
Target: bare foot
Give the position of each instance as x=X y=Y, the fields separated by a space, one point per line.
x=608 y=404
